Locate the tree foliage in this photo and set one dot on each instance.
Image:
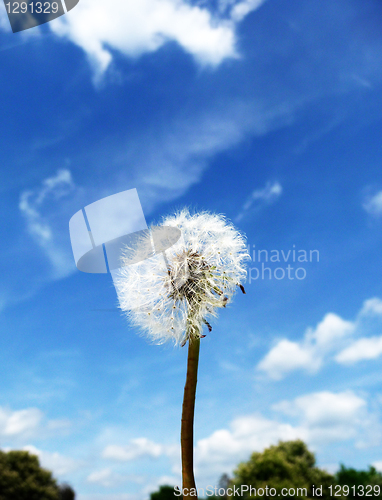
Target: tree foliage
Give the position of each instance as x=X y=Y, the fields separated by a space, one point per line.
x=359 y=481
x=165 y=493
x=66 y=492
x=288 y=465
x=22 y=478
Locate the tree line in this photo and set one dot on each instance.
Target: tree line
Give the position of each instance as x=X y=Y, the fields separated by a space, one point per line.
x=288 y=470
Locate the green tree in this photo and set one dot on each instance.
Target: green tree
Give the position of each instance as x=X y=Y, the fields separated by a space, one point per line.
x=22 y=478
x=66 y=492
x=288 y=465
x=165 y=493
x=360 y=482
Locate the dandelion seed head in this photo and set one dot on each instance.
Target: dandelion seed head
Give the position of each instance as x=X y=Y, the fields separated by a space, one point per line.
x=184 y=286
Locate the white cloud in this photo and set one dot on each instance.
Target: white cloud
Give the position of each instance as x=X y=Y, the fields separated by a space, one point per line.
x=134 y=28
x=41 y=208
x=140 y=447
x=55 y=462
x=268 y=195
x=19 y=423
x=373 y=204
x=378 y=465
x=287 y=356
x=331 y=329
x=308 y=354
x=226 y=447
x=328 y=417
x=319 y=418
x=372 y=306
x=330 y=338
x=30 y=201
x=106 y=478
x=30 y=422
x=366 y=348
x=323 y=408
x=242 y=9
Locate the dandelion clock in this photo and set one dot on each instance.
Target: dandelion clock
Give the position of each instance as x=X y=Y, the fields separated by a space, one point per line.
x=171 y=279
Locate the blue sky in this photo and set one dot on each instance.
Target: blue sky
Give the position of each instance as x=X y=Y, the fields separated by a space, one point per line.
x=268 y=112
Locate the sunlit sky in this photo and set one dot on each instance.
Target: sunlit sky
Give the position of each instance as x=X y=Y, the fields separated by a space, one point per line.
x=266 y=111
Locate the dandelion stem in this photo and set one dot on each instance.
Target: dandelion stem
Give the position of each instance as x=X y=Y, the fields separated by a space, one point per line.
x=187 y=429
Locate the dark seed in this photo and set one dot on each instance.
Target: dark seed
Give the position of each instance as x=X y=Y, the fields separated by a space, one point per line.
x=208 y=325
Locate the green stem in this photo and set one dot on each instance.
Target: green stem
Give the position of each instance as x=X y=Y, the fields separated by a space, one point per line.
x=187 y=429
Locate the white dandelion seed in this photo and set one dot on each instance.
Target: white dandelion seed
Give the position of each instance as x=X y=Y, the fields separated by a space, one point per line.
x=172 y=295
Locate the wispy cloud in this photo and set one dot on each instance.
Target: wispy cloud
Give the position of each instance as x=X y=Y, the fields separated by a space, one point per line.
x=175 y=158
x=16 y=425
x=373 y=204
x=332 y=338
x=42 y=209
x=106 y=478
x=21 y=423
x=241 y=9
x=140 y=447
x=260 y=197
